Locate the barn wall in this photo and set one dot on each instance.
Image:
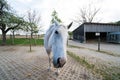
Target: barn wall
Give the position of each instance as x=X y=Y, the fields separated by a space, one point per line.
x=78 y=34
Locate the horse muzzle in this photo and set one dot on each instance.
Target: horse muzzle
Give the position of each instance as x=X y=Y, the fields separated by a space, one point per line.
x=60 y=62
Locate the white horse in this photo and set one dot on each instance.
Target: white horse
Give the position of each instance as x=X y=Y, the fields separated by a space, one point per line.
x=55 y=41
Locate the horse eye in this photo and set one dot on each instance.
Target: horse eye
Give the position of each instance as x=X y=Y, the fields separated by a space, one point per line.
x=56 y=32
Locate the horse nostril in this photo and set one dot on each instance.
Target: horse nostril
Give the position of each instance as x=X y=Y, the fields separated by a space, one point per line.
x=58 y=61
x=61 y=62
x=56 y=32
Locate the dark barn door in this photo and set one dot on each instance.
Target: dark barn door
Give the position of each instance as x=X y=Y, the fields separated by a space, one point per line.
x=90 y=36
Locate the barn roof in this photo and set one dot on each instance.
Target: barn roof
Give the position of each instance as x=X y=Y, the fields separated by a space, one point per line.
x=101 y=24
x=93 y=23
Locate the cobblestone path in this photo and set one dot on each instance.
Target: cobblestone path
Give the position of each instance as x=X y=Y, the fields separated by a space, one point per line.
x=17 y=63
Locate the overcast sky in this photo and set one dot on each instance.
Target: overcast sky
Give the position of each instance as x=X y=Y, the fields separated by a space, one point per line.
x=67 y=9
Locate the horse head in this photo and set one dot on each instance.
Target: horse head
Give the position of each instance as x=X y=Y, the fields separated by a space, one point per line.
x=58 y=42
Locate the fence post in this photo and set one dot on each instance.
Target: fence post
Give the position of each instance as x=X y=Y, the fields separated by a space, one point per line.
x=99 y=43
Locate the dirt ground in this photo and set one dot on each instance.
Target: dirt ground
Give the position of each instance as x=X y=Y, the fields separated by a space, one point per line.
x=17 y=63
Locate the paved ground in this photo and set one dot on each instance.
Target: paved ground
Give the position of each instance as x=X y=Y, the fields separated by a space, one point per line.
x=94 y=56
x=17 y=63
x=109 y=47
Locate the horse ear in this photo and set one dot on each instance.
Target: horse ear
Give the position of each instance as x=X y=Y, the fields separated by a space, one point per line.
x=69 y=25
x=56 y=23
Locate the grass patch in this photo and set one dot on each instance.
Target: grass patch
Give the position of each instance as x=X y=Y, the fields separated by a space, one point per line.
x=76 y=47
x=81 y=60
x=109 y=53
x=24 y=41
x=81 y=47
x=108 y=73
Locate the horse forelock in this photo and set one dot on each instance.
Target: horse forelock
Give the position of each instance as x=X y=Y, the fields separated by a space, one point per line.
x=61 y=29
x=59 y=38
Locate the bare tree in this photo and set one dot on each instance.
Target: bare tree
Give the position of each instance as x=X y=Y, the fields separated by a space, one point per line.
x=87 y=14
x=33 y=20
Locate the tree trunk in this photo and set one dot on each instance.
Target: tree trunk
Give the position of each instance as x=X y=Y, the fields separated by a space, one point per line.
x=35 y=40
x=31 y=35
x=38 y=36
x=3 y=37
x=26 y=36
x=30 y=42
x=13 y=37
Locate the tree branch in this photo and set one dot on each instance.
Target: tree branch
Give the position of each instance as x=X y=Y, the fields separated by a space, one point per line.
x=12 y=27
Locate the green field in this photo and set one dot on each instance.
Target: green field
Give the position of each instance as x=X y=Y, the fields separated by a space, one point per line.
x=24 y=41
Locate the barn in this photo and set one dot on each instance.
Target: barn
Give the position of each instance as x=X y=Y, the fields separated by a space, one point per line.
x=86 y=31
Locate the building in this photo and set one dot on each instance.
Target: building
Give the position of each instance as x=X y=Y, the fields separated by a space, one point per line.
x=87 y=31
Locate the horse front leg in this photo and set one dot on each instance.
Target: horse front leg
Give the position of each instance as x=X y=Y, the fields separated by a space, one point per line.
x=57 y=72
x=49 y=62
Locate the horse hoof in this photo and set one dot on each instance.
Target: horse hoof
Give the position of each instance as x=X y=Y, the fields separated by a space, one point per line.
x=48 y=70
x=56 y=73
